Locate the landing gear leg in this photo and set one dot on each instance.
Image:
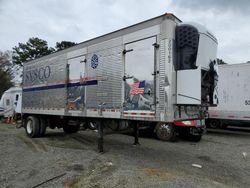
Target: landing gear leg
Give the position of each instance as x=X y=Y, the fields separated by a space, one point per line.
x=136 y=133
x=100 y=136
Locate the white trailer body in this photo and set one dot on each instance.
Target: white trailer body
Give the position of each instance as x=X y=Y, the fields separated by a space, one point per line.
x=233 y=95
x=160 y=70
x=11 y=101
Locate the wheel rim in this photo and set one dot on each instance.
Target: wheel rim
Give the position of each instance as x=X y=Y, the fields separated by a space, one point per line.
x=164 y=131
x=29 y=127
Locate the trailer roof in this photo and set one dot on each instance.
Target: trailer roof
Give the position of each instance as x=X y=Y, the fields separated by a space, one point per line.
x=114 y=34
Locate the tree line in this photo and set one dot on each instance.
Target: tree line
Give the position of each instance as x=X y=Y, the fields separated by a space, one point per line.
x=11 y=61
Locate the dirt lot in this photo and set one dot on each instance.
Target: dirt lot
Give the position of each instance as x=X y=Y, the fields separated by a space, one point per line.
x=60 y=160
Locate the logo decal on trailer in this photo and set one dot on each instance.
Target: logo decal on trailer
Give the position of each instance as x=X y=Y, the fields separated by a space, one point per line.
x=94 y=61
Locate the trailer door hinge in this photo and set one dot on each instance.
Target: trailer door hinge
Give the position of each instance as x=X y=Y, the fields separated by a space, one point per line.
x=156 y=45
x=127 y=77
x=155 y=73
x=125 y=51
x=83 y=61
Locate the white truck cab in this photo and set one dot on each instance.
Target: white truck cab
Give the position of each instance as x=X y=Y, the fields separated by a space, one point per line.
x=11 y=102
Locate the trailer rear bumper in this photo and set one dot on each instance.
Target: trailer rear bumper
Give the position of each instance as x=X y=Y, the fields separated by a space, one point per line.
x=196 y=127
x=198 y=123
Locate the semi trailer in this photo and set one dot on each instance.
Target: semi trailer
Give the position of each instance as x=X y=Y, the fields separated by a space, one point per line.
x=153 y=73
x=233 y=96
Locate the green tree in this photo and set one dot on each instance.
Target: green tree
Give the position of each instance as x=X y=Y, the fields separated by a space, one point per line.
x=64 y=44
x=32 y=49
x=6 y=72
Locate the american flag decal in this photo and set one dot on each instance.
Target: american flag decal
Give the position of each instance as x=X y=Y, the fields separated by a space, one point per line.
x=137 y=88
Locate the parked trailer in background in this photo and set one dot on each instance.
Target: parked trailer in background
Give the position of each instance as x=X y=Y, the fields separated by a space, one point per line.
x=233 y=96
x=154 y=73
x=10 y=103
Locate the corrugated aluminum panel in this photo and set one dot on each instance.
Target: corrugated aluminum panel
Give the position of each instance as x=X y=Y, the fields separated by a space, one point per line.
x=109 y=74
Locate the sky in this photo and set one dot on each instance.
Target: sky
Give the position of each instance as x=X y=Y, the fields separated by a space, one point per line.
x=80 y=20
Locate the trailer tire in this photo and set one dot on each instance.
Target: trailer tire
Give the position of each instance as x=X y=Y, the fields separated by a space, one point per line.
x=32 y=126
x=165 y=131
x=185 y=134
x=92 y=125
x=111 y=124
x=42 y=127
x=195 y=138
x=83 y=126
x=69 y=129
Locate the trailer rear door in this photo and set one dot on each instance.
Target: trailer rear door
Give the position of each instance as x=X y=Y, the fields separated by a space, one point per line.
x=139 y=77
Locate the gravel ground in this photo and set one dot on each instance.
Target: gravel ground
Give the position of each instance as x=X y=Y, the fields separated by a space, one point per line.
x=60 y=160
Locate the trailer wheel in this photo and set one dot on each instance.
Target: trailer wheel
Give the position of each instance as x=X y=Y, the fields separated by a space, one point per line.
x=214 y=123
x=111 y=124
x=185 y=134
x=69 y=129
x=83 y=126
x=42 y=127
x=195 y=138
x=165 y=131
x=32 y=126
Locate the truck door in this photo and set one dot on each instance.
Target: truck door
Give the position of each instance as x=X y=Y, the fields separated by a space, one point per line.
x=139 y=77
x=76 y=89
x=8 y=106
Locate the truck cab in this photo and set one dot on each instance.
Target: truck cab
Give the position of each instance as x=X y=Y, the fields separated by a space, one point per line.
x=11 y=102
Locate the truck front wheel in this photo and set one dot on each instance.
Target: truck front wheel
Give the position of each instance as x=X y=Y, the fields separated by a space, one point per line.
x=165 y=131
x=32 y=126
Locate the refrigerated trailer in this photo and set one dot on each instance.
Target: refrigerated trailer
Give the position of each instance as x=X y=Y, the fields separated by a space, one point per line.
x=153 y=73
x=233 y=96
